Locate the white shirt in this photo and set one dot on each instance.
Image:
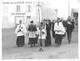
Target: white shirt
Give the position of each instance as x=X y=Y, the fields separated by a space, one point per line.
x=41 y=35
x=59 y=29
x=23 y=30
x=32 y=34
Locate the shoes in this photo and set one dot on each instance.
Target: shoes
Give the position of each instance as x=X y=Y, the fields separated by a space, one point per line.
x=18 y=45
x=58 y=45
x=21 y=45
x=41 y=49
x=69 y=42
x=34 y=44
x=31 y=45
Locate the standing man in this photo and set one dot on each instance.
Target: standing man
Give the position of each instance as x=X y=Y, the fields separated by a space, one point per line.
x=69 y=30
x=20 y=31
x=53 y=32
x=48 y=37
x=32 y=30
x=59 y=32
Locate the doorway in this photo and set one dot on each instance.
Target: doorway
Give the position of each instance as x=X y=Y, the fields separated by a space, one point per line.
x=18 y=18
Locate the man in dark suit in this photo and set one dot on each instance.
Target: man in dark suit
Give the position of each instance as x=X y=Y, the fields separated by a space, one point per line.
x=69 y=30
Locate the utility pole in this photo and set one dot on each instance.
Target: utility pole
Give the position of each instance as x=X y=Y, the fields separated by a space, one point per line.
x=68 y=8
x=56 y=12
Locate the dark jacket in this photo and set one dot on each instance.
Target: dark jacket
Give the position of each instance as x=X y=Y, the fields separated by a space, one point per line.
x=32 y=28
x=70 y=27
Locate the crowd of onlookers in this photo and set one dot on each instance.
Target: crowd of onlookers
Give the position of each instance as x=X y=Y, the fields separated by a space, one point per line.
x=42 y=33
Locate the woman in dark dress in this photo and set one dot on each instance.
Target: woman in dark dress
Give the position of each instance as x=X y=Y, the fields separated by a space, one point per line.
x=48 y=37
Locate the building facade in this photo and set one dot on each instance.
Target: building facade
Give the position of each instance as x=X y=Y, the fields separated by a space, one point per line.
x=74 y=14
x=27 y=11
x=15 y=11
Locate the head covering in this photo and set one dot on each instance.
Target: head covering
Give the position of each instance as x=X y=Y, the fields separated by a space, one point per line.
x=31 y=22
x=41 y=23
x=20 y=21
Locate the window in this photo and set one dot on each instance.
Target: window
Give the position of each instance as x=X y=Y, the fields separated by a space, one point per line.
x=28 y=8
x=28 y=17
x=5 y=19
x=5 y=9
x=18 y=8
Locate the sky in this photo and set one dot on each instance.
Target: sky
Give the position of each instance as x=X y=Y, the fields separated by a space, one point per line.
x=63 y=6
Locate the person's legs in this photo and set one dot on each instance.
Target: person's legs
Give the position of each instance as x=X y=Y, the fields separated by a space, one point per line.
x=53 y=34
x=40 y=42
x=49 y=38
x=18 y=41
x=22 y=40
x=46 y=42
x=69 y=36
x=34 y=39
x=31 y=45
x=43 y=44
x=57 y=39
x=61 y=37
x=30 y=41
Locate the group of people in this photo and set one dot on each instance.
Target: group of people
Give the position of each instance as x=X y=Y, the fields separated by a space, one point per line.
x=41 y=33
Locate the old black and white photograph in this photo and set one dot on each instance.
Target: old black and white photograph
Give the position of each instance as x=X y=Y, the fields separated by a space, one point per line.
x=40 y=29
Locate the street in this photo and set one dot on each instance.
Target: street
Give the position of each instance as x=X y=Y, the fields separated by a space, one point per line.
x=65 y=51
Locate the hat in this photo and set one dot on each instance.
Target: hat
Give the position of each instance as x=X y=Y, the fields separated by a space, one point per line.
x=31 y=21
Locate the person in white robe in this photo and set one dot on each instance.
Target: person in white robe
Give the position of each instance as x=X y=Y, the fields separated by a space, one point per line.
x=20 y=31
x=59 y=32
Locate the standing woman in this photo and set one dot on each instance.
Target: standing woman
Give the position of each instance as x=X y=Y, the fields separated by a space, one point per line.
x=48 y=37
x=32 y=30
x=20 y=31
x=59 y=32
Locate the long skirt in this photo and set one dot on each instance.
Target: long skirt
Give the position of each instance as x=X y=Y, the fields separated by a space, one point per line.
x=20 y=40
x=58 y=39
x=48 y=39
x=32 y=41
